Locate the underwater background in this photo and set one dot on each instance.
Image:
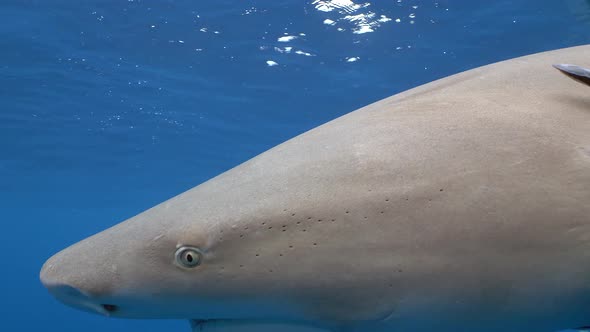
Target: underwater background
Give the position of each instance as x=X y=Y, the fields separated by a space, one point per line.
x=110 y=107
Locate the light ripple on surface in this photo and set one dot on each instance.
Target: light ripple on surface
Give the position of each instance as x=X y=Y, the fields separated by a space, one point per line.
x=363 y=20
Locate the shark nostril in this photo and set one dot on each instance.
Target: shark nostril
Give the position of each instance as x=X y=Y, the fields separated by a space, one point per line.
x=109 y=307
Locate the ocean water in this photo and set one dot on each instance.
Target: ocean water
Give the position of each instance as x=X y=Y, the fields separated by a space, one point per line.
x=110 y=107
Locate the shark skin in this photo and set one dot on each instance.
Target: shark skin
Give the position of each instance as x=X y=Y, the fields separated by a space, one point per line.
x=459 y=205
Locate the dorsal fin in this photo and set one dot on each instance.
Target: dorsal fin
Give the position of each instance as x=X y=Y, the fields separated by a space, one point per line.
x=578 y=73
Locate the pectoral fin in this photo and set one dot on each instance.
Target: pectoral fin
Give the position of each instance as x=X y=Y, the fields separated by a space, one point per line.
x=250 y=326
x=578 y=329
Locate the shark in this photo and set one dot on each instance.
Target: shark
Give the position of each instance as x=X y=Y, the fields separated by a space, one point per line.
x=459 y=205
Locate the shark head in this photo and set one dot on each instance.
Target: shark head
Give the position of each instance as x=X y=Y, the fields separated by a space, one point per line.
x=180 y=259
x=238 y=247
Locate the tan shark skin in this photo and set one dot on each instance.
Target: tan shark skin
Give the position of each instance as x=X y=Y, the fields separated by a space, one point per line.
x=463 y=204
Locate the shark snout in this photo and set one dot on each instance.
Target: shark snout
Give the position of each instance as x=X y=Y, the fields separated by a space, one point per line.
x=69 y=284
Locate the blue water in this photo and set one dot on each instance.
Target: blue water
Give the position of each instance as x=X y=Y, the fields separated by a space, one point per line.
x=109 y=107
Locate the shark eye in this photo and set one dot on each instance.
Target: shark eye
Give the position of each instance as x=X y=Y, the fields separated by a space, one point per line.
x=188 y=256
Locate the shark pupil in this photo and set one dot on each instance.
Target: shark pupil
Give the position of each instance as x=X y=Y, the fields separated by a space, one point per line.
x=188 y=256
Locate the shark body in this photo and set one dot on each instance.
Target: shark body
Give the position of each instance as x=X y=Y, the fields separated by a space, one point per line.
x=460 y=205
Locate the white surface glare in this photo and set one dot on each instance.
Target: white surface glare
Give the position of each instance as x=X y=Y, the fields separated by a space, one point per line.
x=285 y=39
x=359 y=15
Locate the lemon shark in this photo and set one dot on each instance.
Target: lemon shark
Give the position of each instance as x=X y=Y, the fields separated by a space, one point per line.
x=459 y=205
